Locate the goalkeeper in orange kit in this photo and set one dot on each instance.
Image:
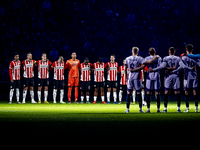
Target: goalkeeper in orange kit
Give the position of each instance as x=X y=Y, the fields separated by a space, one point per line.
x=73 y=77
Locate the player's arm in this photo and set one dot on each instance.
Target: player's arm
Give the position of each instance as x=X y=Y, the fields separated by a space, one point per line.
x=10 y=71
x=162 y=65
x=119 y=70
x=145 y=69
x=107 y=67
x=198 y=62
x=182 y=66
x=196 y=56
x=152 y=60
x=21 y=68
x=51 y=66
x=79 y=65
x=170 y=68
x=23 y=63
x=125 y=69
x=177 y=70
x=91 y=67
x=65 y=66
x=10 y=74
x=35 y=63
x=137 y=69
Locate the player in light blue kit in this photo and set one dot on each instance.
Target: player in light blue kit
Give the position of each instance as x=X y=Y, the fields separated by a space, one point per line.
x=153 y=80
x=171 y=63
x=190 y=77
x=134 y=63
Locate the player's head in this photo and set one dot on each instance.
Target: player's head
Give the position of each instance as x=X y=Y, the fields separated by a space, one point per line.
x=60 y=59
x=16 y=56
x=135 y=50
x=152 y=51
x=189 y=48
x=29 y=56
x=100 y=60
x=73 y=55
x=172 y=51
x=44 y=56
x=112 y=58
x=86 y=60
x=124 y=61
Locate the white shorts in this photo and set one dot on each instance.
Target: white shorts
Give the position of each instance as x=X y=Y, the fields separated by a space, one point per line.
x=190 y=83
x=172 y=81
x=153 y=84
x=134 y=84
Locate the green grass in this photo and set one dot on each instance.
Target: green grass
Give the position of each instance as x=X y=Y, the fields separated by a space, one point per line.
x=93 y=118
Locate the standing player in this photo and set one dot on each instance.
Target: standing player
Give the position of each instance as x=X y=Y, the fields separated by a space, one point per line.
x=123 y=81
x=59 y=67
x=153 y=80
x=134 y=63
x=112 y=67
x=43 y=77
x=85 y=79
x=14 y=73
x=73 y=77
x=143 y=88
x=28 y=75
x=190 y=77
x=171 y=63
x=99 y=81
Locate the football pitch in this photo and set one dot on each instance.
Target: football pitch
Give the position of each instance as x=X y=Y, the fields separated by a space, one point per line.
x=94 y=119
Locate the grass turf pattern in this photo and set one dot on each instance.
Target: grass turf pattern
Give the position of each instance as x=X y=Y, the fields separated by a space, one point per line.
x=84 y=119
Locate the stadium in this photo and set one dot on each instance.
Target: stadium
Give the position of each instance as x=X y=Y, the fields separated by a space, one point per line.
x=60 y=66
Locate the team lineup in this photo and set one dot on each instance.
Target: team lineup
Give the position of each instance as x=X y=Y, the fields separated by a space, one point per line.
x=132 y=78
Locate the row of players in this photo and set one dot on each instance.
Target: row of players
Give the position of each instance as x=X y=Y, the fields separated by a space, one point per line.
x=73 y=66
x=172 y=65
x=132 y=65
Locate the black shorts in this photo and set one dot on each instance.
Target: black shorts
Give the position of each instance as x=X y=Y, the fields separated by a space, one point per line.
x=111 y=84
x=99 y=84
x=42 y=82
x=58 y=83
x=28 y=82
x=85 y=85
x=123 y=87
x=15 y=84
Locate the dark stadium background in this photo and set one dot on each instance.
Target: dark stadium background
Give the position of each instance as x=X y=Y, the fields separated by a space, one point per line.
x=94 y=28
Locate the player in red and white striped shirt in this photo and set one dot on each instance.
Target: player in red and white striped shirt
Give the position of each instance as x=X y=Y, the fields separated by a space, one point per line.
x=28 y=66
x=14 y=73
x=99 y=80
x=43 y=77
x=123 y=80
x=59 y=67
x=112 y=78
x=85 y=70
x=85 y=83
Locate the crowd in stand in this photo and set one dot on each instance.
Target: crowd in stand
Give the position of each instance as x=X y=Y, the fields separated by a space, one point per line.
x=95 y=28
